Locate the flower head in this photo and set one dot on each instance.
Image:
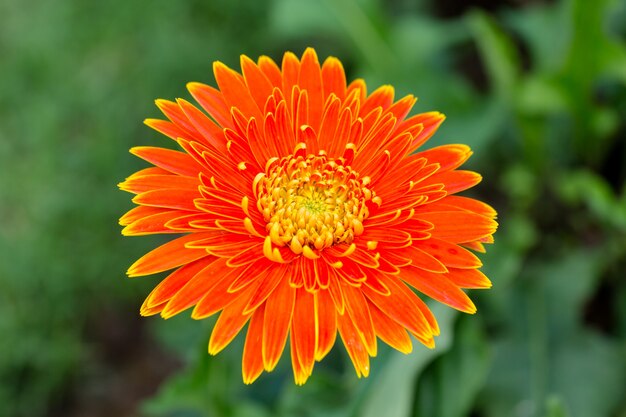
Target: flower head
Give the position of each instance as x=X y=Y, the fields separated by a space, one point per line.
x=306 y=211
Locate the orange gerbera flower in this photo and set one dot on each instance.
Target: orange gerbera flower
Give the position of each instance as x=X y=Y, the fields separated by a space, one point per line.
x=306 y=212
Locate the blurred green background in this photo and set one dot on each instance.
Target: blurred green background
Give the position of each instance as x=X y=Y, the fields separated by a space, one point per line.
x=536 y=88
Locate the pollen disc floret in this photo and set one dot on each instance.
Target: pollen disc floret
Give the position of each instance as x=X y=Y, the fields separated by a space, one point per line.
x=312 y=201
x=308 y=214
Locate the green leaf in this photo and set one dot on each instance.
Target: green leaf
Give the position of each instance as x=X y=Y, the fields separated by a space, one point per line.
x=592 y=190
x=391 y=394
x=457 y=374
x=555 y=407
x=498 y=53
x=545 y=351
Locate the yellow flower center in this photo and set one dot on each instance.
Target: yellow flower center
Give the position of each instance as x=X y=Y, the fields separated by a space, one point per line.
x=312 y=201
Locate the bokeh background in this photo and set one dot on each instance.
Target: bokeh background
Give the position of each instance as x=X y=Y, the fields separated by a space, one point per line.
x=536 y=88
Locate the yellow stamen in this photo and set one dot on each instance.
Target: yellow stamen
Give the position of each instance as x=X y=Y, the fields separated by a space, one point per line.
x=372 y=244
x=311 y=202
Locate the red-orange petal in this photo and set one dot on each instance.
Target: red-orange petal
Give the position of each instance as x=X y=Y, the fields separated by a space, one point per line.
x=234 y=90
x=145 y=183
x=278 y=311
x=303 y=330
x=390 y=331
x=228 y=325
x=310 y=79
x=354 y=345
x=259 y=85
x=326 y=323
x=172 y=161
x=458 y=226
x=468 y=278
x=333 y=78
x=156 y=223
x=401 y=305
x=449 y=254
x=437 y=286
x=447 y=156
x=167 y=256
x=167 y=288
x=197 y=288
x=252 y=362
x=358 y=310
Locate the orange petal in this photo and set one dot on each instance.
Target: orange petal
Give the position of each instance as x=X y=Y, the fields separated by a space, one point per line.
x=140 y=184
x=381 y=97
x=430 y=122
x=449 y=254
x=256 y=272
x=390 y=237
x=217 y=296
x=455 y=181
x=212 y=101
x=424 y=260
x=401 y=305
x=364 y=258
x=278 y=312
x=303 y=330
x=390 y=331
x=374 y=283
x=447 y=156
x=356 y=306
x=176 y=115
x=262 y=149
x=468 y=278
x=267 y=285
x=165 y=127
x=430 y=318
x=310 y=80
x=291 y=72
x=252 y=253
x=333 y=78
x=167 y=256
x=354 y=345
x=172 y=198
x=235 y=91
x=437 y=286
x=328 y=124
x=351 y=272
x=475 y=246
x=167 y=288
x=372 y=141
x=157 y=223
x=198 y=287
x=334 y=289
x=459 y=226
x=172 y=161
x=258 y=84
x=211 y=133
x=299 y=374
x=285 y=139
x=326 y=323
x=140 y=212
x=402 y=107
x=147 y=311
x=252 y=362
x=271 y=70
x=337 y=145
x=229 y=324
x=470 y=204
x=359 y=87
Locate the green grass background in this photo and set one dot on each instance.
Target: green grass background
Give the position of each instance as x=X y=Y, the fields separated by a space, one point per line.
x=536 y=88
